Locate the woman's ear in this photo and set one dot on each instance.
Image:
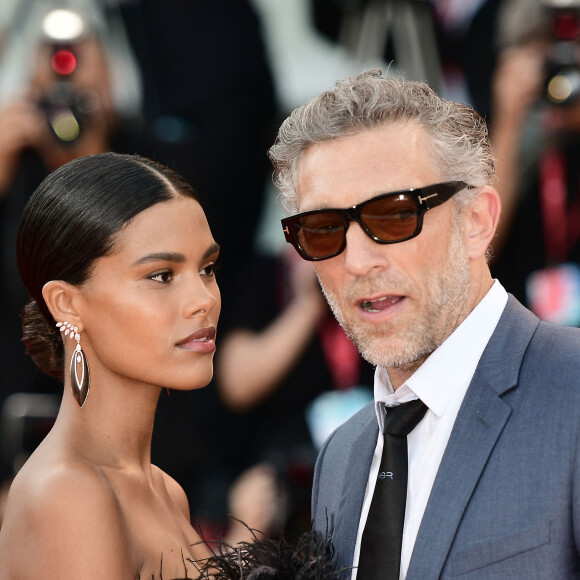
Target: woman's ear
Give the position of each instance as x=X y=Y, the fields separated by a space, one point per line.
x=60 y=298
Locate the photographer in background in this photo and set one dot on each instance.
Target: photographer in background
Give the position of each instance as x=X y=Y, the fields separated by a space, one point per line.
x=65 y=87
x=536 y=140
x=59 y=99
x=28 y=121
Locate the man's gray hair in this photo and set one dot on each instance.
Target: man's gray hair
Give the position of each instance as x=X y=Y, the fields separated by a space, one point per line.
x=459 y=138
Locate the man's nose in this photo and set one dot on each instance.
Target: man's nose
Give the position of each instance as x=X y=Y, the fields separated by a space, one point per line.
x=362 y=254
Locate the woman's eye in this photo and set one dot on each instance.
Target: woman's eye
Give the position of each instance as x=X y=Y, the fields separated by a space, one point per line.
x=208 y=270
x=164 y=277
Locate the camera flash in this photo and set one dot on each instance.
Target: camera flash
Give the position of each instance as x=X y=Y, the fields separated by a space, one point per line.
x=63 y=25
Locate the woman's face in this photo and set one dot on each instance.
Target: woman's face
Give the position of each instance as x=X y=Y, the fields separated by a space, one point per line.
x=149 y=310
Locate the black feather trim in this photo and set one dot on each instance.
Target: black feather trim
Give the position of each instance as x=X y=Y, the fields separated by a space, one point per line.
x=311 y=558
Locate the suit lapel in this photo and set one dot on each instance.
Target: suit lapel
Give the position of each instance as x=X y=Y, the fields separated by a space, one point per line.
x=478 y=426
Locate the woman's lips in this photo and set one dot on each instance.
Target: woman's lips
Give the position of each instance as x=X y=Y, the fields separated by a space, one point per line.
x=203 y=340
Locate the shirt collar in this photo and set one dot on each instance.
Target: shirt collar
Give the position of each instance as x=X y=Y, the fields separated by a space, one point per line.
x=445 y=375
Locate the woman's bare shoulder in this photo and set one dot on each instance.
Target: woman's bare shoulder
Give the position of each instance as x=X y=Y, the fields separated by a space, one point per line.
x=63 y=484
x=64 y=517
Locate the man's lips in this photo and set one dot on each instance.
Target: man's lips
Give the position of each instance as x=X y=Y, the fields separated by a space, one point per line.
x=202 y=338
x=380 y=304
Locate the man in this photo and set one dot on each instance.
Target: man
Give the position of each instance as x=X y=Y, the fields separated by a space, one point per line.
x=492 y=465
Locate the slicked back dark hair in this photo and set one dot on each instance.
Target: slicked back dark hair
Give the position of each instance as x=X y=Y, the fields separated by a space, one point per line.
x=71 y=220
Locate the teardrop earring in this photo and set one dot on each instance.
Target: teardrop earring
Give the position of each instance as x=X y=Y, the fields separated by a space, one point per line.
x=79 y=369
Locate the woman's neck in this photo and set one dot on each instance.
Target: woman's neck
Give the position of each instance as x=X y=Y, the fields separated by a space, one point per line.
x=114 y=427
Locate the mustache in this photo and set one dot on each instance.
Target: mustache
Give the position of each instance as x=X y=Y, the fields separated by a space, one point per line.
x=380 y=283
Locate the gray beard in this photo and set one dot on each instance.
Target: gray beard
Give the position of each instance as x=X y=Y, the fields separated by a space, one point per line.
x=444 y=311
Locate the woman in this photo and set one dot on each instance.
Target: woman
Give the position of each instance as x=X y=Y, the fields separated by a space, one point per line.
x=118 y=259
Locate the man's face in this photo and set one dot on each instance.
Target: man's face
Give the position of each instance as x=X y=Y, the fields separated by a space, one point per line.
x=397 y=302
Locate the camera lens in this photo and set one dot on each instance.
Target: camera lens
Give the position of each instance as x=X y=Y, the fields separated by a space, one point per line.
x=65 y=126
x=564 y=86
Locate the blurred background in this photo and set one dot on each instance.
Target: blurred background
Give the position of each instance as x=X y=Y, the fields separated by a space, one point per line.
x=203 y=86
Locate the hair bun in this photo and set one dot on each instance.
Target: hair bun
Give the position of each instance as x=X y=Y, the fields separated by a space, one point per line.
x=42 y=341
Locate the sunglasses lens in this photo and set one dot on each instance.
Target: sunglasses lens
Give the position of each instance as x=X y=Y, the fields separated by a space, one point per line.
x=391 y=219
x=320 y=234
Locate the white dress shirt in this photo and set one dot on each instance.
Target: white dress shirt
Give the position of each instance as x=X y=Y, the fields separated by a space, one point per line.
x=441 y=383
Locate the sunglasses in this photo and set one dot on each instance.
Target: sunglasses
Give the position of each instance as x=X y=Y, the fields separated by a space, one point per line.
x=387 y=219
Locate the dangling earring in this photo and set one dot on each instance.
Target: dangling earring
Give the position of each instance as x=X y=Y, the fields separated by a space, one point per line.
x=80 y=385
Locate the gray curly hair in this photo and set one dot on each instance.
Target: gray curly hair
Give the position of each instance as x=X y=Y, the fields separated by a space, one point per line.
x=459 y=137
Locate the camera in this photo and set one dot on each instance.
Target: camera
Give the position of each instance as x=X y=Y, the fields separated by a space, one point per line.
x=65 y=107
x=562 y=64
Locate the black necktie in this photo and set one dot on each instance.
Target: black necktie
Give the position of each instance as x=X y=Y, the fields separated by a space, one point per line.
x=380 y=553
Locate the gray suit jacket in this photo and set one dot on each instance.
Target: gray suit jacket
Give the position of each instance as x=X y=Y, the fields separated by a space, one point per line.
x=506 y=499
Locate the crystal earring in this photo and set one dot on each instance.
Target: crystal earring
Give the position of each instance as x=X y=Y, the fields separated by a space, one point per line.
x=79 y=369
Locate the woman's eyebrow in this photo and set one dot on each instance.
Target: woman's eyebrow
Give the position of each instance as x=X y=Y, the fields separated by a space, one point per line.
x=175 y=257
x=213 y=249
x=160 y=257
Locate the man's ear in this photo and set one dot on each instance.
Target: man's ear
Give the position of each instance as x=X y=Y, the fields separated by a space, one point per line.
x=60 y=297
x=481 y=221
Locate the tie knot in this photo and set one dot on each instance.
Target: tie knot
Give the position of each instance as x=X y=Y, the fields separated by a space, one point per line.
x=402 y=419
